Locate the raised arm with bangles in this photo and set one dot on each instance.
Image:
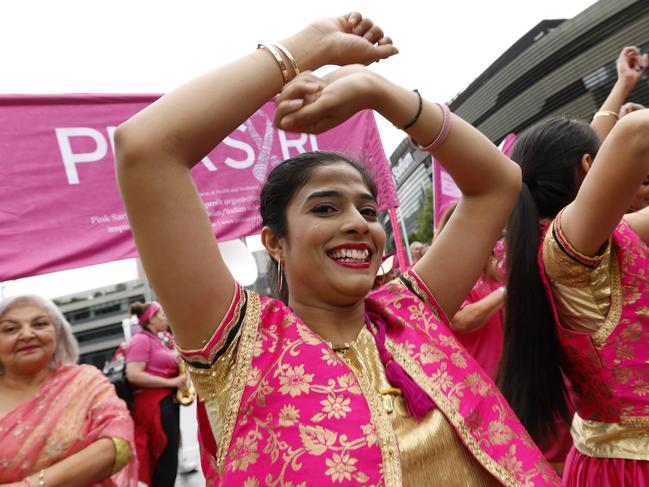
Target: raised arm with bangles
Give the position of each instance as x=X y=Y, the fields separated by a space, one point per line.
x=331 y=382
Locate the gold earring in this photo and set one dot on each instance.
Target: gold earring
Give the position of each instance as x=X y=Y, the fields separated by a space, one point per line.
x=280 y=275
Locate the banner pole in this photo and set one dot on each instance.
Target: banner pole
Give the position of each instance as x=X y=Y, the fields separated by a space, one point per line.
x=402 y=256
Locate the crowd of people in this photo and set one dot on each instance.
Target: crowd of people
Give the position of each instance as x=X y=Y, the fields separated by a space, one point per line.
x=510 y=351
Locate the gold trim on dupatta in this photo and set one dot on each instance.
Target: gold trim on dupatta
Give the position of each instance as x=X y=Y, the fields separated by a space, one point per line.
x=387 y=440
x=443 y=403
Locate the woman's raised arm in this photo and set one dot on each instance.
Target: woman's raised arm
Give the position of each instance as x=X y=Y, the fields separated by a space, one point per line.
x=631 y=65
x=157 y=148
x=619 y=168
x=489 y=181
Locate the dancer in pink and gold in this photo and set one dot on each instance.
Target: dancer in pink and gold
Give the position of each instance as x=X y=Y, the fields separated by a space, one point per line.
x=578 y=288
x=331 y=383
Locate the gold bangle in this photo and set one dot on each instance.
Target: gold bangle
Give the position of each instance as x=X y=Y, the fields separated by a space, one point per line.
x=606 y=113
x=278 y=58
x=290 y=57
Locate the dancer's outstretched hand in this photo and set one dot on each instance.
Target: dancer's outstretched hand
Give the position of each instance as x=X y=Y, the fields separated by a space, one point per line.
x=631 y=64
x=348 y=39
x=314 y=105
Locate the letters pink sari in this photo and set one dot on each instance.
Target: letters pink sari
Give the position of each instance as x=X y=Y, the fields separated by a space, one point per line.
x=74 y=407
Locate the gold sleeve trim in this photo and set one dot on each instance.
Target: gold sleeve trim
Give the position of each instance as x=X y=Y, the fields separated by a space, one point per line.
x=615 y=312
x=241 y=372
x=123 y=454
x=579 y=257
x=627 y=439
x=421 y=290
x=206 y=356
x=443 y=403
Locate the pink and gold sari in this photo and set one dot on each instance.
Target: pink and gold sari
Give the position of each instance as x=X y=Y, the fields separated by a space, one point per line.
x=74 y=407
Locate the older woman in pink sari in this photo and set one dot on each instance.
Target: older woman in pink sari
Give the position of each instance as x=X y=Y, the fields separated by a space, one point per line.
x=61 y=424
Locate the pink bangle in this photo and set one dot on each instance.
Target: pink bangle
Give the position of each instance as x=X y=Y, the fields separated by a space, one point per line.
x=441 y=136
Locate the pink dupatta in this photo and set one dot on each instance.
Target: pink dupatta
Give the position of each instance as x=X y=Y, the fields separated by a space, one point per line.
x=74 y=407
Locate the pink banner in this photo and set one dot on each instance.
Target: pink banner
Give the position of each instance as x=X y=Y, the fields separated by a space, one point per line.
x=60 y=204
x=445 y=191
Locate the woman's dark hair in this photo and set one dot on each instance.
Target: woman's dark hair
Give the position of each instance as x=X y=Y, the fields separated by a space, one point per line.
x=138 y=308
x=283 y=182
x=530 y=377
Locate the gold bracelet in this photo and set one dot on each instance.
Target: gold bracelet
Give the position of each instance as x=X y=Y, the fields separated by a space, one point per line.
x=290 y=57
x=278 y=58
x=606 y=113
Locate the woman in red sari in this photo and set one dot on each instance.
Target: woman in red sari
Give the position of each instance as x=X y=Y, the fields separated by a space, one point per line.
x=61 y=424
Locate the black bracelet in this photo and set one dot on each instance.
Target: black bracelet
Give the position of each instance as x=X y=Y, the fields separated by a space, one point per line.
x=414 y=120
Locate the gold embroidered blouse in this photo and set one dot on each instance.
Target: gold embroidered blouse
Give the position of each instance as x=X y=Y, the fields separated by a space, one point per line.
x=431 y=452
x=581 y=285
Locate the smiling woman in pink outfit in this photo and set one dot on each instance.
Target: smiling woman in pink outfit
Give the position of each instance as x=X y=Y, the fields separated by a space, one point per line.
x=331 y=383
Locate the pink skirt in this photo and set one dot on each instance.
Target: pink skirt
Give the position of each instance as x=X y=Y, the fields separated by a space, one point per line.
x=584 y=471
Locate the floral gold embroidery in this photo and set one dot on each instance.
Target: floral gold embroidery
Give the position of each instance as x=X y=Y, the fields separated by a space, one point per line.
x=294 y=381
x=245 y=451
x=317 y=439
x=429 y=354
x=336 y=406
x=369 y=430
x=500 y=433
x=289 y=415
x=459 y=360
x=341 y=467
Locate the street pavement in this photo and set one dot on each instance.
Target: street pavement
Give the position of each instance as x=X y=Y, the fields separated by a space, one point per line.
x=188 y=428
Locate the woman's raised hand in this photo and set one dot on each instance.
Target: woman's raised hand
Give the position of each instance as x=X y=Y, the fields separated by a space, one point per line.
x=630 y=108
x=631 y=65
x=348 y=39
x=314 y=105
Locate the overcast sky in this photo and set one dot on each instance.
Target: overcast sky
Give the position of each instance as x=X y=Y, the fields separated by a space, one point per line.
x=89 y=46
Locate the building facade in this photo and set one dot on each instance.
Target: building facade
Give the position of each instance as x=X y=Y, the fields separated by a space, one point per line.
x=412 y=172
x=96 y=317
x=559 y=68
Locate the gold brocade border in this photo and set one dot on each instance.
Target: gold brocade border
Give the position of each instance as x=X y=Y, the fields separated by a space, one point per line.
x=421 y=293
x=241 y=369
x=613 y=317
x=191 y=355
x=442 y=402
x=425 y=294
x=386 y=437
x=628 y=439
x=635 y=421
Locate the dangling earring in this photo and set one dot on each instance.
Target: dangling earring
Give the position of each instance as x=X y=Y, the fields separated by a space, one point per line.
x=280 y=275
